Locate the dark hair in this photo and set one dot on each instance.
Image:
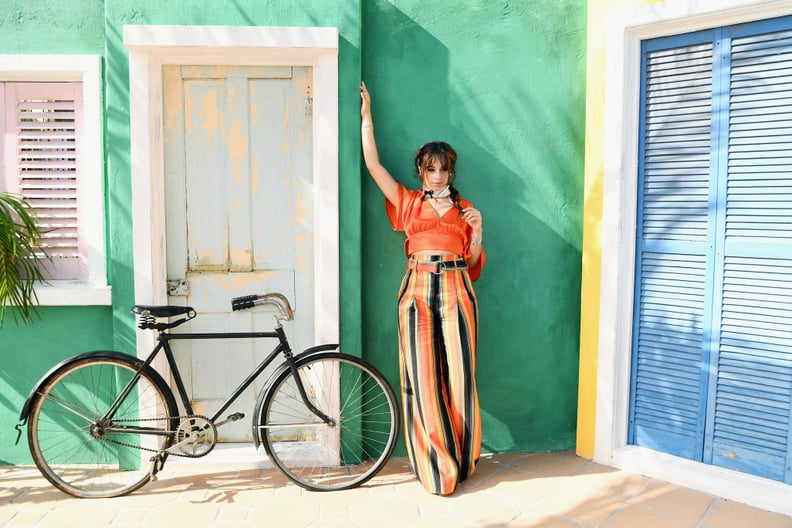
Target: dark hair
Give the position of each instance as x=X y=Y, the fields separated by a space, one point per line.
x=447 y=156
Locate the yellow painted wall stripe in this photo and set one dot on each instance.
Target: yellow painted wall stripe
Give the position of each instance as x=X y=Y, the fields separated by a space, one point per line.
x=597 y=25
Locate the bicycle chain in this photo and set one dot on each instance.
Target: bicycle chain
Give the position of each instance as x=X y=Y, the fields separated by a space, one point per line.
x=159 y=451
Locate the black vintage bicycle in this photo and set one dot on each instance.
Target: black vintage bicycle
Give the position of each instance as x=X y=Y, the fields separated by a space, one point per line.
x=102 y=424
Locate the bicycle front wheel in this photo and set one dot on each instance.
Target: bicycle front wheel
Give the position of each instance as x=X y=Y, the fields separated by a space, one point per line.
x=80 y=451
x=356 y=443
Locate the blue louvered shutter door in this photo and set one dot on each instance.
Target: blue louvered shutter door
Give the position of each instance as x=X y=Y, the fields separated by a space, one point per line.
x=749 y=424
x=667 y=398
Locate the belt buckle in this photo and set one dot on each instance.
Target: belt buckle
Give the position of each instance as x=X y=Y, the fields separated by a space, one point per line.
x=439 y=268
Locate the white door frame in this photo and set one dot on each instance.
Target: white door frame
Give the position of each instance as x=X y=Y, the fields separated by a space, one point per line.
x=151 y=47
x=626 y=29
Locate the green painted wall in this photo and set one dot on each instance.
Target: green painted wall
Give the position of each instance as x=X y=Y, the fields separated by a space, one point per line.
x=26 y=353
x=508 y=94
x=52 y=27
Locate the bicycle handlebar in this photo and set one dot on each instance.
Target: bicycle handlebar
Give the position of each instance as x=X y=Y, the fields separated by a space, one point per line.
x=242 y=303
x=277 y=300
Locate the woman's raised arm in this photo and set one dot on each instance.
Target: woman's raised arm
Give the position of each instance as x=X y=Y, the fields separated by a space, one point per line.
x=383 y=178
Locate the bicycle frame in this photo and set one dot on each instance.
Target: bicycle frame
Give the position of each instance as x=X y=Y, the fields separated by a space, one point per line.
x=163 y=340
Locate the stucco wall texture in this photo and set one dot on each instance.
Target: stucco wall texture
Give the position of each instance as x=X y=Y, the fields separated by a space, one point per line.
x=502 y=81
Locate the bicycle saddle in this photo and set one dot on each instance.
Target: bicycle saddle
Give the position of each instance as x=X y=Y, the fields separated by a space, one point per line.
x=161 y=311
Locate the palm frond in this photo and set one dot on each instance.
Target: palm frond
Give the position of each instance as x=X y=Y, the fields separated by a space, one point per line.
x=20 y=257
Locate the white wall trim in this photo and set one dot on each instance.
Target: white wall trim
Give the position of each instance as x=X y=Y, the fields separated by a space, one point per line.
x=86 y=69
x=626 y=29
x=151 y=47
x=237 y=37
x=759 y=492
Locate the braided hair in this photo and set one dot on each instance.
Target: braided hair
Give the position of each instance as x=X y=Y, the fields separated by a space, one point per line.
x=443 y=153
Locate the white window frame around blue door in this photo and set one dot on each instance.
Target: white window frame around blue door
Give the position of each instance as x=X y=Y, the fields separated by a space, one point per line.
x=627 y=28
x=709 y=366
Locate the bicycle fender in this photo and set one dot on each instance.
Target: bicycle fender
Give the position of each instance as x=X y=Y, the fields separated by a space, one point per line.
x=23 y=416
x=308 y=352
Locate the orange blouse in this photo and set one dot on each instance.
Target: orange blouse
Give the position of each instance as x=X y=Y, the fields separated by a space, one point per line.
x=426 y=230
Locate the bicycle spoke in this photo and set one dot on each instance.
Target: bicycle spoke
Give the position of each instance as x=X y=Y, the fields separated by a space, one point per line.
x=93 y=459
x=338 y=456
x=71 y=407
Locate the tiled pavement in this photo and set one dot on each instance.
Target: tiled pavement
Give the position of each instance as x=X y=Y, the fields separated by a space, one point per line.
x=553 y=490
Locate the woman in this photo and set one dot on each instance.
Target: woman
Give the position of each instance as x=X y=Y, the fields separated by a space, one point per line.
x=438 y=312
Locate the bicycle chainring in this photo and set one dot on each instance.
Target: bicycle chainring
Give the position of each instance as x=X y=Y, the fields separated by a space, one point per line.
x=196 y=436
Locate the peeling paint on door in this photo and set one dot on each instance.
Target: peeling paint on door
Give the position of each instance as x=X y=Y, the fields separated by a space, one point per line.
x=239 y=209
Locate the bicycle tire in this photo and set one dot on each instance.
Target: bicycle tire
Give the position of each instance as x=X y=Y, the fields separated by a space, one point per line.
x=344 y=455
x=73 y=451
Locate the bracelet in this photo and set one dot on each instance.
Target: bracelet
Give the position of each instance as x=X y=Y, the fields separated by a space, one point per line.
x=476 y=241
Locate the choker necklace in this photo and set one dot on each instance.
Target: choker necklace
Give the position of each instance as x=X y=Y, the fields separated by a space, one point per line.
x=446 y=191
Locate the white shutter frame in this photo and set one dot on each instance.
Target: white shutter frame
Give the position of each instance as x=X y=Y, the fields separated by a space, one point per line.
x=86 y=69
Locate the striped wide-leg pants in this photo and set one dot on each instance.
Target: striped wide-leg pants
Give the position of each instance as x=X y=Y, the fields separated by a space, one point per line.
x=438 y=323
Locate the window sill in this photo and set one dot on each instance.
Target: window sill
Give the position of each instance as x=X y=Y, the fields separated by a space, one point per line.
x=65 y=293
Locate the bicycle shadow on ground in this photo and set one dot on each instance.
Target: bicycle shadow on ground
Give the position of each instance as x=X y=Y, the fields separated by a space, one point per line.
x=191 y=482
x=228 y=487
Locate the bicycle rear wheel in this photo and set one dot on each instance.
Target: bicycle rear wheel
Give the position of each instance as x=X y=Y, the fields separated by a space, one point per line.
x=340 y=455
x=78 y=452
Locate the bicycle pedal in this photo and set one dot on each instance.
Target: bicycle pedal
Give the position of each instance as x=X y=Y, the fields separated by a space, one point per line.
x=155 y=460
x=231 y=418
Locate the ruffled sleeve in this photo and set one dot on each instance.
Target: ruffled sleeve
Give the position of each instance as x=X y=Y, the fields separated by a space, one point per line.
x=475 y=271
x=397 y=214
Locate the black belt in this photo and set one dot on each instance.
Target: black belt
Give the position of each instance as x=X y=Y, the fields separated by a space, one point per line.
x=437 y=267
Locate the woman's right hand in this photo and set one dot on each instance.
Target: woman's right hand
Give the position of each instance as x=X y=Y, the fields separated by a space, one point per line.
x=365 y=101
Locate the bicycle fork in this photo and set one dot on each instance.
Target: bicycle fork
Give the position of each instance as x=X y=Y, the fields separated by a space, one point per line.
x=301 y=389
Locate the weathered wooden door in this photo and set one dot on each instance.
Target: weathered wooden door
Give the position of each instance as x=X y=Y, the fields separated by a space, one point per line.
x=239 y=217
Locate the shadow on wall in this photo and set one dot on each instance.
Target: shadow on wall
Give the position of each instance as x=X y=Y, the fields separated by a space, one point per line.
x=119 y=185
x=520 y=150
x=28 y=352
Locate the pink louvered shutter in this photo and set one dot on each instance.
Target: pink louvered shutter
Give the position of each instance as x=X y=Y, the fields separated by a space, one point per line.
x=43 y=126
